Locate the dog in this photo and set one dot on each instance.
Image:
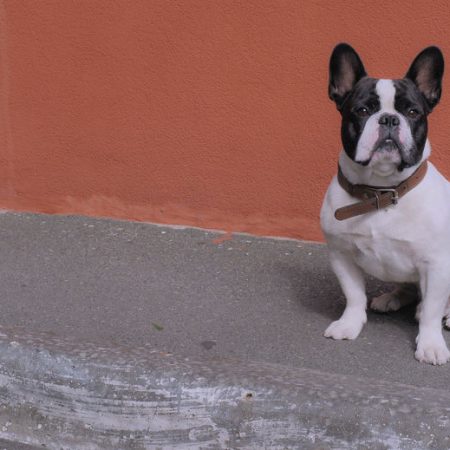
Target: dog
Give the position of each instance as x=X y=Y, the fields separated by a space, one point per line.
x=387 y=211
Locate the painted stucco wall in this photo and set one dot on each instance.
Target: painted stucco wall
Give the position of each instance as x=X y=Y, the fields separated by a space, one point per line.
x=207 y=113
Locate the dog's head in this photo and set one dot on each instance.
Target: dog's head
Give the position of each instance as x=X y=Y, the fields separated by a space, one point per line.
x=385 y=121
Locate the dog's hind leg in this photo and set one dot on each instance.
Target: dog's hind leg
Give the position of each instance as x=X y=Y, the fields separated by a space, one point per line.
x=401 y=296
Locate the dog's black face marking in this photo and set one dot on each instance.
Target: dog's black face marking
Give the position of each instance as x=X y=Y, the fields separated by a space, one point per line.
x=361 y=103
x=398 y=123
x=411 y=103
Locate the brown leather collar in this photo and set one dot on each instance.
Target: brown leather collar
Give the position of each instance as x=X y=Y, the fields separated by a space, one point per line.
x=374 y=197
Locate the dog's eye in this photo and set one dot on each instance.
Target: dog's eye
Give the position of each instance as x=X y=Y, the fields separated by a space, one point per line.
x=362 y=112
x=413 y=113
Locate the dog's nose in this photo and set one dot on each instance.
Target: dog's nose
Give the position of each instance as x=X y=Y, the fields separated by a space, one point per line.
x=389 y=120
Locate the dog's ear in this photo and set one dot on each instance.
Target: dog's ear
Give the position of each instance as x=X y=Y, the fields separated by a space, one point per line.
x=346 y=69
x=426 y=72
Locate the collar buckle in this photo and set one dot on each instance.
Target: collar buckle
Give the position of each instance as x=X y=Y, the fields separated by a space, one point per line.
x=394 y=192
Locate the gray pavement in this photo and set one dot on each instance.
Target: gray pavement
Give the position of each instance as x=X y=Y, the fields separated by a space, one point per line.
x=230 y=325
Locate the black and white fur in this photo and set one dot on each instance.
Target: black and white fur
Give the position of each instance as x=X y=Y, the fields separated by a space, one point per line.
x=384 y=137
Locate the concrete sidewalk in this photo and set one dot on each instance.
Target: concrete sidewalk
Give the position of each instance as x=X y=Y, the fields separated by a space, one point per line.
x=120 y=335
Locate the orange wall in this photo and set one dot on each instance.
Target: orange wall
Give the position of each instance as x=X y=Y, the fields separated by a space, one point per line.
x=211 y=113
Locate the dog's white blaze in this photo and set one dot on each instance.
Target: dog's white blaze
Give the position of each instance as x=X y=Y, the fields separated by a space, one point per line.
x=385 y=90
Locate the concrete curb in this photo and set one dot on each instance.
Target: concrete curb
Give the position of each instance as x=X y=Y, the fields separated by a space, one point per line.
x=61 y=395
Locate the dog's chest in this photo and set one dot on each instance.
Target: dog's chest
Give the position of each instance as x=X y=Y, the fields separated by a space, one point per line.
x=385 y=256
x=384 y=244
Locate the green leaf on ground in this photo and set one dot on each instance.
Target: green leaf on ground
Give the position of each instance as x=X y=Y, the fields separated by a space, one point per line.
x=157 y=326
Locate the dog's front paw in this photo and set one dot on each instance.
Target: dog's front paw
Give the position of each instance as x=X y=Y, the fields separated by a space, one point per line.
x=345 y=328
x=386 y=302
x=432 y=349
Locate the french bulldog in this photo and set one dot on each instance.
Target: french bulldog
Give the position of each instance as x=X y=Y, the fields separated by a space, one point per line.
x=387 y=211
